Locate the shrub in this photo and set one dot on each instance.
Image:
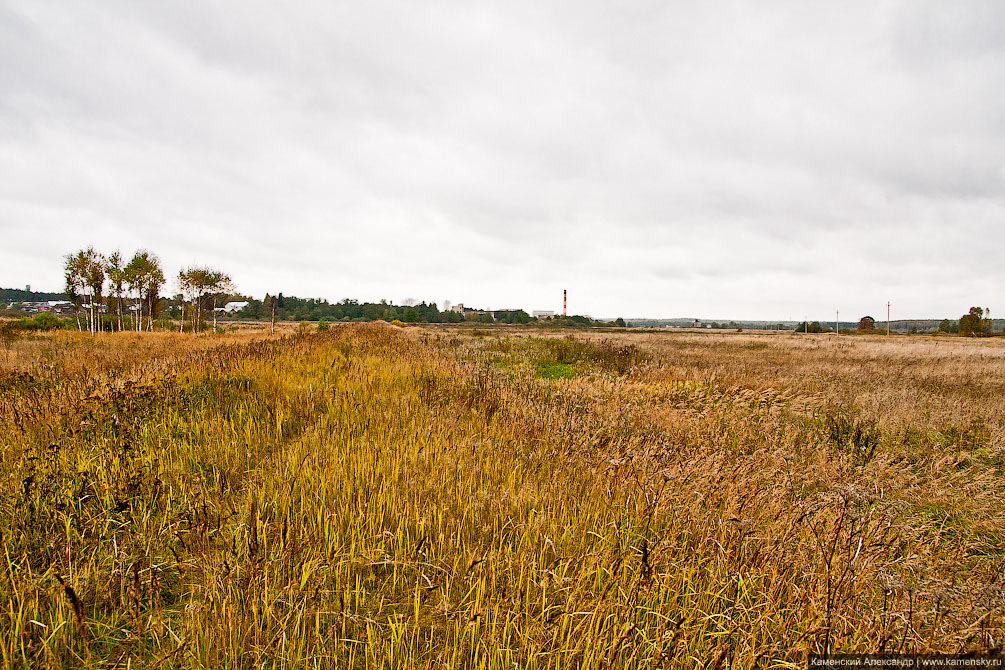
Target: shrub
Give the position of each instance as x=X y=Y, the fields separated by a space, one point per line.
x=568 y=350
x=44 y=321
x=815 y=327
x=858 y=437
x=8 y=333
x=619 y=359
x=606 y=355
x=974 y=323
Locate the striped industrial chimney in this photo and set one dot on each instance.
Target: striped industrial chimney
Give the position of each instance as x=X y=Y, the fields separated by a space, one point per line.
x=564 y=293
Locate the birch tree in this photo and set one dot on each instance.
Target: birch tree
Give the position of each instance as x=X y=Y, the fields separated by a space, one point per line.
x=75 y=285
x=117 y=277
x=218 y=283
x=192 y=281
x=95 y=273
x=84 y=272
x=152 y=285
x=146 y=278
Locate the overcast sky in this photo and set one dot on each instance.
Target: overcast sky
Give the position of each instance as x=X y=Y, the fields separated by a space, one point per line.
x=717 y=159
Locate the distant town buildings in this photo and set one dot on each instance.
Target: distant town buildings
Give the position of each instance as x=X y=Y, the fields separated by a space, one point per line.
x=543 y=313
x=506 y=314
x=54 y=306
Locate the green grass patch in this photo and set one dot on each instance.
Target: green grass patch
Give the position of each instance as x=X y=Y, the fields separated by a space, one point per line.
x=553 y=370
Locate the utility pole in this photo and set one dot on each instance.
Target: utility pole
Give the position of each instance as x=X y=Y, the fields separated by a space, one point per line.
x=888 y=317
x=837 y=322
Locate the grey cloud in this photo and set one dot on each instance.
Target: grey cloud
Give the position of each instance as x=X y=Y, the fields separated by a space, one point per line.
x=753 y=160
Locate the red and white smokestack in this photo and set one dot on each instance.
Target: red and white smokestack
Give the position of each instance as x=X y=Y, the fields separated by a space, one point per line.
x=564 y=295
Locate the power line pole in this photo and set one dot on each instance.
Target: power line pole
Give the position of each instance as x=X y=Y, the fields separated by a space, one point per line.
x=837 y=322
x=887 y=317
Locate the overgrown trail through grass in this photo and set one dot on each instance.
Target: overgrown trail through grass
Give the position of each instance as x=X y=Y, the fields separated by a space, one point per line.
x=360 y=499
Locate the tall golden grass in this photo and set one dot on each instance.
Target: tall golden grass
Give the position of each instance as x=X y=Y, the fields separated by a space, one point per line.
x=381 y=497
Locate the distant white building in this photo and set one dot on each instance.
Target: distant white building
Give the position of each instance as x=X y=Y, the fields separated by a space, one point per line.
x=459 y=308
x=542 y=313
x=231 y=307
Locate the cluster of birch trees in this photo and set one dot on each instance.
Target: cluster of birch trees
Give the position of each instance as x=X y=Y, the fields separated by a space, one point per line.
x=201 y=285
x=135 y=286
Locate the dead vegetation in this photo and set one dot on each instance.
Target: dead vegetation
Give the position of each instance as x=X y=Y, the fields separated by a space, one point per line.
x=372 y=497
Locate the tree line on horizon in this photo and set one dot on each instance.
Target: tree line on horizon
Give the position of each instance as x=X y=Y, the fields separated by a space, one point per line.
x=110 y=293
x=135 y=287
x=973 y=324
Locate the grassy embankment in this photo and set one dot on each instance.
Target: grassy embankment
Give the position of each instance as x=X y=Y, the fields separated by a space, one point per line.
x=364 y=498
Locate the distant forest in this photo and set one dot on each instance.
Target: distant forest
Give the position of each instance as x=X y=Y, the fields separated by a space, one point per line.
x=23 y=295
x=290 y=308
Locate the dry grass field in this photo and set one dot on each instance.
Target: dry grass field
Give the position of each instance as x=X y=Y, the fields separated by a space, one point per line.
x=374 y=497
